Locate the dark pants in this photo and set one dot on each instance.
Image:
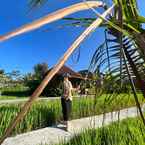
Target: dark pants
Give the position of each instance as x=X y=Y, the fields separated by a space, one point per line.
x=66 y=108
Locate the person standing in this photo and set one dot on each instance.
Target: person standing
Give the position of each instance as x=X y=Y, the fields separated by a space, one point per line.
x=66 y=99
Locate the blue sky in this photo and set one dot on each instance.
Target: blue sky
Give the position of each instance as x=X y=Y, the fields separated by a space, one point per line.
x=46 y=44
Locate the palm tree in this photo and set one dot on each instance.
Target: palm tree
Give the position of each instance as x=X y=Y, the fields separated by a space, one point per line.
x=126 y=52
x=131 y=59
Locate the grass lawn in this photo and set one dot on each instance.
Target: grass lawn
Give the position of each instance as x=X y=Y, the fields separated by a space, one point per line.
x=46 y=113
x=10 y=97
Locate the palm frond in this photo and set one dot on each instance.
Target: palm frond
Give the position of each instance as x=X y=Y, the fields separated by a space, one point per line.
x=119 y=73
x=37 y=3
x=115 y=69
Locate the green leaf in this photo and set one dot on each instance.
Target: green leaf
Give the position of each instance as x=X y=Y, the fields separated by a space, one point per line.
x=141 y=19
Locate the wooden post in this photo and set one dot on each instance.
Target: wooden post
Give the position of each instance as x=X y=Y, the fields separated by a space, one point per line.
x=50 y=75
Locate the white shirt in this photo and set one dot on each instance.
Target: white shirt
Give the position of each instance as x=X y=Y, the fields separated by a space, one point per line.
x=67 y=89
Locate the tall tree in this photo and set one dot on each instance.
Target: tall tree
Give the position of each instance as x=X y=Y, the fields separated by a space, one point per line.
x=40 y=70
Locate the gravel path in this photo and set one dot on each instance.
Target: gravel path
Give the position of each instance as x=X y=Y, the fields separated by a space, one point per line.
x=53 y=135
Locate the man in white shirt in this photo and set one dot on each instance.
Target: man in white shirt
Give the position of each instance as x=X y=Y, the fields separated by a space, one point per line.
x=66 y=99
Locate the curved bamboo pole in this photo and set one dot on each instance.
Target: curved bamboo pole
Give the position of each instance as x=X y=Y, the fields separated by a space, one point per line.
x=51 y=18
x=50 y=75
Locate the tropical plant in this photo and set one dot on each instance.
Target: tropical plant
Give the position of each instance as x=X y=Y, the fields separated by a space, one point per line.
x=123 y=33
x=126 y=57
x=40 y=70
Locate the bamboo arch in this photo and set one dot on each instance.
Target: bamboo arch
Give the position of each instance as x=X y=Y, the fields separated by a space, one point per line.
x=60 y=63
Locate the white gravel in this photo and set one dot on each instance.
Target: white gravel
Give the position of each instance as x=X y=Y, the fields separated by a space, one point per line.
x=53 y=135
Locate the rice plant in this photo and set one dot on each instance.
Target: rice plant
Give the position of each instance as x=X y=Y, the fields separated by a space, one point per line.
x=48 y=113
x=126 y=132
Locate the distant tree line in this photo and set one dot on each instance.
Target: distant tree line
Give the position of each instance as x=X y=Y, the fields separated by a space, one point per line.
x=15 y=83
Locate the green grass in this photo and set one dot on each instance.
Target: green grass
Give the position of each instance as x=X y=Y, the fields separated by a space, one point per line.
x=127 y=132
x=47 y=113
x=10 y=97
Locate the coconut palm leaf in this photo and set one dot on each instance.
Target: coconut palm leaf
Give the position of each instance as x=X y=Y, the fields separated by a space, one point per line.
x=50 y=18
x=100 y=56
x=37 y=3
x=116 y=79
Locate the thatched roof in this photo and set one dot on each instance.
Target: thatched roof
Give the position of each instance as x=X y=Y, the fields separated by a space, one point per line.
x=73 y=74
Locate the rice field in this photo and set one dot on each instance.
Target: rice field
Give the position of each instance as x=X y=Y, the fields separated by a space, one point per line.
x=9 y=97
x=127 y=132
x=47 y=113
